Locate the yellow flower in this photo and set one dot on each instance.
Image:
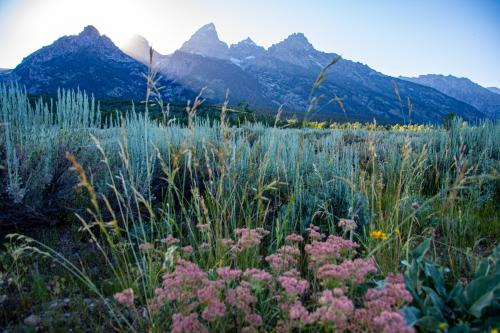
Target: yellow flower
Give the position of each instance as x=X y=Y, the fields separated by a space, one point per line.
x=377 y=234
x=398 y=232
x=220 y=262
x=442 y=326
x=494 y=330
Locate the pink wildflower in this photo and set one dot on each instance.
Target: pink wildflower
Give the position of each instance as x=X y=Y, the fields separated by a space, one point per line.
x=187 y=324
x=284 y=259
x=294 y=238
x=259 y=275
x=226 y=273
x=298 y=312
x=293 y=286
x=347 y=225
x=241 y=298
x=125 y=297
x=180 y=285
x=335 y=309
x=214 y=310
x=226 y=242
x=203 y=227
x=349 y=270
x=187 y=249
x=392 y=322
x=169 y=240
x=321 y=253
x=248 y=238
x=253 y=319
x=146 y=246
x=314 y=233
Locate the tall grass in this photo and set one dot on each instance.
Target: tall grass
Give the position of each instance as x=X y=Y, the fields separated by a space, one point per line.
x=139 y=181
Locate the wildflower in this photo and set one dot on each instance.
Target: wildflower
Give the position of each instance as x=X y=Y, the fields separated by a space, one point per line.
x=253 y=319
x=226 y=273
x=377 y=234
x=241 y=298
x=248 y=238
x=321 y=253
x=494 y=330
x=226 y=242
x=293 y=286
x=187 y=324
x=392 y=322
x=314 y=233
x=187 y=249
x=347 y=225
x=214 y=310
x=125 y=297
x=284 y=259
x=180 y=285
x=294 y=238
x=442 y=326
x=397 y=232
x=146 y=246
x=335 y=309
x=298 y=312
x=203 y=227
x=258 y=275
x=169 y=240
x=349 y=270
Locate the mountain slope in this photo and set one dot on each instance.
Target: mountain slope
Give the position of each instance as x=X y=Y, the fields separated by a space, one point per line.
x=87 y=61
x=494 y=89
x=285 y=73
x=464 y=90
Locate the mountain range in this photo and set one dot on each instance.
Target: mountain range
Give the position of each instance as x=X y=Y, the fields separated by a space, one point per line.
x=266 y=79
x=485 y=100
x=88 y=61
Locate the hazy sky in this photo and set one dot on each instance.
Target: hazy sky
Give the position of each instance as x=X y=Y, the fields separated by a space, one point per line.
x=399 y=37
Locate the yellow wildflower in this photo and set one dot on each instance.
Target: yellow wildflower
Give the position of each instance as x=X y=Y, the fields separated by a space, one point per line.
x=377 y=234
x=494 y=330
x=442 y=326
x=221 y=262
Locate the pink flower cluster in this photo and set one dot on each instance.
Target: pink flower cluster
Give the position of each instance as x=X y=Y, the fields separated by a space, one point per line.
x=380 y=312
x=187 y=324
x=348 y=271
x=248 y=238
x=329 y=251
x=230 y=299
x=284 y=259
x=170 y=240
x=336 y=309
x=347 y=225
x=125 y=297
x=292 y=285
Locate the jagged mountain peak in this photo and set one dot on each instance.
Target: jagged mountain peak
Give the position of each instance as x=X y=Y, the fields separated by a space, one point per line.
x=296 y=41
x=246 y=49
x=90 y=32
x=205 y=41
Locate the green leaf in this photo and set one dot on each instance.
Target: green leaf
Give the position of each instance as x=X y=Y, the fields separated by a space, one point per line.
x=411 y=314
x=437 y=277
x=419 y=252
x=434 y=297
x=480 y=293
x=428 y=323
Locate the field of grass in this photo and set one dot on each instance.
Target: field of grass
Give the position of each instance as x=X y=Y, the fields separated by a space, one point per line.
x=147 y=224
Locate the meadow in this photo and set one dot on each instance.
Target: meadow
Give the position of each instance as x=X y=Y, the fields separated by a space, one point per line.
x=145 y=224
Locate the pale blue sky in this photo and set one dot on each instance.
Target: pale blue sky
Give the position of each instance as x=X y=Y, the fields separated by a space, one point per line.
x=404 y=37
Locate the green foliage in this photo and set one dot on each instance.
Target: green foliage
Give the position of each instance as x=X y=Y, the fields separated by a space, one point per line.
x=462 y=307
